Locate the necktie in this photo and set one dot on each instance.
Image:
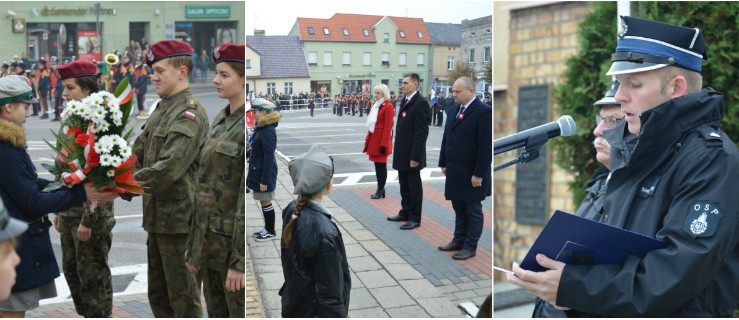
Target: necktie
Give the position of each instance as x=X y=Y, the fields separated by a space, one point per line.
x=461 y=111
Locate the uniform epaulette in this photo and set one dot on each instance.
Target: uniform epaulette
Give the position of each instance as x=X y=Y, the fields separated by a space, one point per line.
x=192 y=103
x=711 y=136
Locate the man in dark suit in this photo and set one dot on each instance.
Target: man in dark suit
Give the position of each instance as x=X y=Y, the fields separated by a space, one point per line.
x=411 y=132
x=465 y=159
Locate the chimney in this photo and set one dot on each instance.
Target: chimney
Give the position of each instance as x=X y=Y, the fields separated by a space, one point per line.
x=258 y=33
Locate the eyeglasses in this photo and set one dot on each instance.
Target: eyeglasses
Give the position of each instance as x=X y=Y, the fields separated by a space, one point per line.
x=611 y=122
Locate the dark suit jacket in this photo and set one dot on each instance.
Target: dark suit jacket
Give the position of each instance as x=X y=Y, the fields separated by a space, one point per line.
x=467 y=150
x=411 y=132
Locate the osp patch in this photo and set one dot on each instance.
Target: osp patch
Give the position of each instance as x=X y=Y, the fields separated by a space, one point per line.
x=702 y=220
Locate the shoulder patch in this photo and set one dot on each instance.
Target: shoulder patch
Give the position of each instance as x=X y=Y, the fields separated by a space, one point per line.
x=702 y=219
x=711 y=136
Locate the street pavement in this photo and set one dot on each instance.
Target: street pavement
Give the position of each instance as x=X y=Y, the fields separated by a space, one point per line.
x=127 y=257
x=395 y=273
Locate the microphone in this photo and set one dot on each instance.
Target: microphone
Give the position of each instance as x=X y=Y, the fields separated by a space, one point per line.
x=564 y=126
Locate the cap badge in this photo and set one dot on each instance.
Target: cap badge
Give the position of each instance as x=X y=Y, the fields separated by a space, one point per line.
x=150 y=55
x=624 y=28
x=217 y=54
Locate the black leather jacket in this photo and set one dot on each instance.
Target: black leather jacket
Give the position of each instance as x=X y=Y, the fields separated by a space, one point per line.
x=678 y=184
x=317 y=279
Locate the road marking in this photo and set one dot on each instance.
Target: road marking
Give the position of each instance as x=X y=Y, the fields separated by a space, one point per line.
x=332 y=130
x=323 y=136
x=310 y=144
x=352 y=179
x=139 y=284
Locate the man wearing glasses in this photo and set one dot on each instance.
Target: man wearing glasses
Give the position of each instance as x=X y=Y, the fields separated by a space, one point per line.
x=609 y=116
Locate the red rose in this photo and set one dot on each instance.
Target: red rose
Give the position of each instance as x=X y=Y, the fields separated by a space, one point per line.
x=74 y=132
x=93 y=158
x=82 y=139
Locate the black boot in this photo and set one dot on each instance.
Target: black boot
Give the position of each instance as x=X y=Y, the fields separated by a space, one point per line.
x=378 y=194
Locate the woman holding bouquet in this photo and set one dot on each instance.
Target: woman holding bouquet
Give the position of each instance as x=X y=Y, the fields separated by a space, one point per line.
x=20 y=189
x=215 y=246
x=85 y=238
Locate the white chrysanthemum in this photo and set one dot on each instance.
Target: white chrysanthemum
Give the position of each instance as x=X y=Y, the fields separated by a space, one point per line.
x=126 y=152
x=106 y=145
x=111 y=173
x=105 y=159
x=98 y=148
x=115 y=161
x=104 y=127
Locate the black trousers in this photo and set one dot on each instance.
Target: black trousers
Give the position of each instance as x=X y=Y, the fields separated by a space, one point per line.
x=411 y=193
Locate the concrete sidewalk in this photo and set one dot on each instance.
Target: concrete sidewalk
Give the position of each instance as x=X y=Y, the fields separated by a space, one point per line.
x=395 y=273
x=127 y=306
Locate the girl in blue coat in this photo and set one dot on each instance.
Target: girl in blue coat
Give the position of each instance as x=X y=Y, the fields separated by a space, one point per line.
x=20 y=190
x=262 y=176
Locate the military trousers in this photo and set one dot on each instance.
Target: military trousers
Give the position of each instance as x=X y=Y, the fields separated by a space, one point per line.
x=221 y=303
x=85 y=265
x=174 y=292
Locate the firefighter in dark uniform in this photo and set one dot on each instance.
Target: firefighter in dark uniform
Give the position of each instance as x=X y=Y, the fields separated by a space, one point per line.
x=674 y=176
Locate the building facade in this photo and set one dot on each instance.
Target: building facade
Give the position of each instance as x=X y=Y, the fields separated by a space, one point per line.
x=351 y=53
x=70 y=29
x=446 y=52
x=477 y=39
x=275 y=65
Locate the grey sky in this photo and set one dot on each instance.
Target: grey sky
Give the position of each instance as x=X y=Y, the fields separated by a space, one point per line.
x=277 y=17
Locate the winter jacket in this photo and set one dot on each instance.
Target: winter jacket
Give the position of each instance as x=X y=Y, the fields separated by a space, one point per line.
x=678 y=184
x=317 y=279
x=262 y=162
x=20 y=189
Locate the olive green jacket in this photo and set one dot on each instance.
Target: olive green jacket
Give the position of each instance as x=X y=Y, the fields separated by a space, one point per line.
x=168 y=155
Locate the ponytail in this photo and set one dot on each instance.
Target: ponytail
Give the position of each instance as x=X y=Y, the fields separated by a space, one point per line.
x=287 y=232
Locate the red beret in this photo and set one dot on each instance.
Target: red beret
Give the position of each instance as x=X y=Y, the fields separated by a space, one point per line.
x=167 y=49
x=75 y=69
x=229 y=52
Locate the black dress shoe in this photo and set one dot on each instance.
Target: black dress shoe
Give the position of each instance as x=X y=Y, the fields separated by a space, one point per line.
x=451 y=246
x=464 y=254
x=397 y=218
x=378 y=194
x=410 y=225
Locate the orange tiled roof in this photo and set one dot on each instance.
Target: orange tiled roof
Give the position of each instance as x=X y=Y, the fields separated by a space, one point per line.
x=355 y=24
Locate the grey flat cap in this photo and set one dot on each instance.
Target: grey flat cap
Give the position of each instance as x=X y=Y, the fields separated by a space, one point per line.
x=311 y=171
x=9 y=227
x=15 y=88
x=262 y=104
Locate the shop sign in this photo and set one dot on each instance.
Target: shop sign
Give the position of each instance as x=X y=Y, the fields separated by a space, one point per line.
x=19 y=25
x=207 y=11
x=46 y=11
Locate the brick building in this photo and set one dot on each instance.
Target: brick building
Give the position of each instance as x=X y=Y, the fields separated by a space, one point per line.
x=541 y=36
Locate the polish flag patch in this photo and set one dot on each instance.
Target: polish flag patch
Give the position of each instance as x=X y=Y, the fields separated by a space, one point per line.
x=190 y=115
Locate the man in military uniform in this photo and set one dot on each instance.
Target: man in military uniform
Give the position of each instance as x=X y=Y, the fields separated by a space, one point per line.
x=674 y=176
x=85 y=238
x=216 y=242
x=168 y=153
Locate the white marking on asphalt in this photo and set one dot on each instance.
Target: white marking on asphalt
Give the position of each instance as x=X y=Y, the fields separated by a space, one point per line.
x=138 y=285
x=310 y=144
x=324 y=136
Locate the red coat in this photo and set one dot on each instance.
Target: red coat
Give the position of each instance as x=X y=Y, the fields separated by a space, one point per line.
x=383 y=135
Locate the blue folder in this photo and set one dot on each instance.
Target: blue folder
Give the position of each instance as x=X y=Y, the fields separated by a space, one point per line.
x=576 y=240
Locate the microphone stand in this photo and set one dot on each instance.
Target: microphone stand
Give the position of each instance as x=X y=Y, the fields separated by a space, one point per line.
x=530 y=151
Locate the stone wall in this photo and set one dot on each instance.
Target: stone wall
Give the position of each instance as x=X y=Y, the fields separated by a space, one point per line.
x=541 y=39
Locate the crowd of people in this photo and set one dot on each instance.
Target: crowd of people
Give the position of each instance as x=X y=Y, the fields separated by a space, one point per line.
x=193 y=216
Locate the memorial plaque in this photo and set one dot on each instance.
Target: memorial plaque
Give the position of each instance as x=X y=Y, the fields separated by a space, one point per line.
x=532 y=179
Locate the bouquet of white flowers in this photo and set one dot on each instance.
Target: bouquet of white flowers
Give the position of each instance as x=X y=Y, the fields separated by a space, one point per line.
x=94 y=146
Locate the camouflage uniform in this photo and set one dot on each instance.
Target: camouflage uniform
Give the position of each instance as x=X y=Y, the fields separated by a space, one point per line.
x=168 y=151
x=220 y=214
x=85 y=263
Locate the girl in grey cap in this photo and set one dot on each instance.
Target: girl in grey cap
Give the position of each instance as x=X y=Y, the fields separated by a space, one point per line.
x=317 y=280
x=20 y=190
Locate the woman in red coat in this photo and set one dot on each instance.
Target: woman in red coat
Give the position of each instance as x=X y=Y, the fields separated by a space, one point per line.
x=379 y=141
